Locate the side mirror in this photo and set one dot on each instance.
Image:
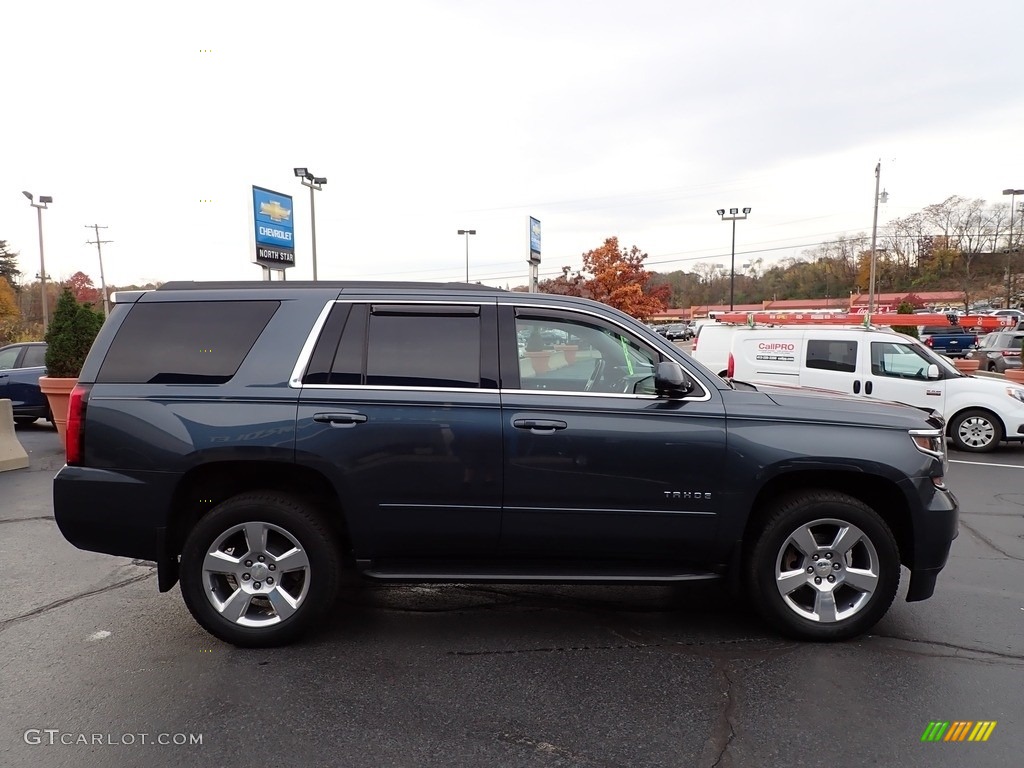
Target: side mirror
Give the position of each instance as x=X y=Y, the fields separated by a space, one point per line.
x=670 y=380
x=933 y=371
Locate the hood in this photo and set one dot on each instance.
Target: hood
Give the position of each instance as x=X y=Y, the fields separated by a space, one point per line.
x=839 y=408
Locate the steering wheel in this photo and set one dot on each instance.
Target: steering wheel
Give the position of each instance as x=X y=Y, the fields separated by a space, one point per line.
x=595 y=376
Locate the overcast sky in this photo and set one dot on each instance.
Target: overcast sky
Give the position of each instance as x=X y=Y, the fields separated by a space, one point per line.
x=635 y=119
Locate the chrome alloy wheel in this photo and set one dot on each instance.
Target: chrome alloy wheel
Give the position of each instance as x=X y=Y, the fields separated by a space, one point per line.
x=827 y=570
x=256 y=574
x=976 y=431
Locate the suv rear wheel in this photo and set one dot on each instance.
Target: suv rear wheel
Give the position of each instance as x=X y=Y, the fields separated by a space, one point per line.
x=825 y=566
x=259 y=569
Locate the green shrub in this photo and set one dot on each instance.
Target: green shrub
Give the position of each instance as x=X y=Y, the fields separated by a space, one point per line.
x=906 y=308
x=69 y=336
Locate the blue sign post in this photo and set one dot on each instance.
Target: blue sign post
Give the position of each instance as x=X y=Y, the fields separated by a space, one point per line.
x=534 y=259
x=274 y=228
x=534 y=240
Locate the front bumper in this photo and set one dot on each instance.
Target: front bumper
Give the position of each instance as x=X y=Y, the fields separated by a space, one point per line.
x=934 y=532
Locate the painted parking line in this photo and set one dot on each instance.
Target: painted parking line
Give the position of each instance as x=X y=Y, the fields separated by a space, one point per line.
x=986 y=464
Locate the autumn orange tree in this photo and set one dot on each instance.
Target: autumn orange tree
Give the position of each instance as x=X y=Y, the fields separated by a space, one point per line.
x=616 y=277
x=81 y=286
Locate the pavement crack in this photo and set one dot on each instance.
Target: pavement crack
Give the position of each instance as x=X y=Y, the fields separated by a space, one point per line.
x=26 y=519
x=613 y=647
x=977 y=654
x=7 y=623
x=985 y=539
x=724 y=729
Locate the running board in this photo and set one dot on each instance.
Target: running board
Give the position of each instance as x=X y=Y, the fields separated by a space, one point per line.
x=522 y=574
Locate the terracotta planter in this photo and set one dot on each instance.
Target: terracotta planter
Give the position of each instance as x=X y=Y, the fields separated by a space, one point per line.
x=967 y=366
x=1015 y=374
x=569 y=350
x=541 y=360
x=58 y=394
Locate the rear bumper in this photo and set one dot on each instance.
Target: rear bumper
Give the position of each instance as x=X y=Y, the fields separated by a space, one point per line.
x=112 y=512
x=934 y=532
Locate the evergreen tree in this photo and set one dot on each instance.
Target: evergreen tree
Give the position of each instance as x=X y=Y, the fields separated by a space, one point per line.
x=8 y=263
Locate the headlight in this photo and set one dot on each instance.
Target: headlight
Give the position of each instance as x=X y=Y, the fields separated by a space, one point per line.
x=1017 y=393
x=932 y=442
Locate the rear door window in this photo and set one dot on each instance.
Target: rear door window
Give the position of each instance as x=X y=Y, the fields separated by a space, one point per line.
x=404 y=345
x=184 y=342
x=34 y=357
x=423 y=346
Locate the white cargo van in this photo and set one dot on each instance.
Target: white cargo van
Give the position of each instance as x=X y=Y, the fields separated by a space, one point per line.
x=882 y=364
x=711 y=345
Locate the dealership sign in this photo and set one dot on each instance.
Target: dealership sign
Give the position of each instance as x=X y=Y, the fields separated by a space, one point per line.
x=535 y=241
x=274 y=228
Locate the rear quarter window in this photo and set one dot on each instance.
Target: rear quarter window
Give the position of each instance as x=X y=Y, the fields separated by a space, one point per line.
x=186 y=342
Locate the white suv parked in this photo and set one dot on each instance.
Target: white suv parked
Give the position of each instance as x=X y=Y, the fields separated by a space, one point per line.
x=882 y=364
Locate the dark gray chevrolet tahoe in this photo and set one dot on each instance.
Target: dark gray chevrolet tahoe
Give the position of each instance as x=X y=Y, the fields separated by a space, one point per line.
x=255 y=439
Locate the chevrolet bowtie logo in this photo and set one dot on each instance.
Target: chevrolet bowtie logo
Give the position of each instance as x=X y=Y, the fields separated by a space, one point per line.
x=275 y=211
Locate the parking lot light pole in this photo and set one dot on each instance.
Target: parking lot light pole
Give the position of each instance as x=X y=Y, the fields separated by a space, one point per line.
x=467 y=233
x=1009 y=246
x=315 y=183
x=44 y=200
x=733 y=217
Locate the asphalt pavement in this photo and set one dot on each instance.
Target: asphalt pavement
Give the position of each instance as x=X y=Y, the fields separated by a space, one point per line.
x=97 y=667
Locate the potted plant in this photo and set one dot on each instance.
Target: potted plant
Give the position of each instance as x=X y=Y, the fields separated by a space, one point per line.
x=68 y=338
x=539 y=355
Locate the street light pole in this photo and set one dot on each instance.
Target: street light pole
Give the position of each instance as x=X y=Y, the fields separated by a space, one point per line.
x=1009 y=246
x=44 y=200
x=874 y=236
x=315 y=183
x=467 y=233
x=733 y=217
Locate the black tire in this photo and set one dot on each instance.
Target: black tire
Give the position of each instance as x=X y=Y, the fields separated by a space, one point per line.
x=819 y=511
x=24 y=420
x=290 y=524
x=975 y=431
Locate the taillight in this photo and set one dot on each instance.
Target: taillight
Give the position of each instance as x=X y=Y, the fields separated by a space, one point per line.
x=928 y=341
x=1011 y=353
x=730 y=369
x=74 y=436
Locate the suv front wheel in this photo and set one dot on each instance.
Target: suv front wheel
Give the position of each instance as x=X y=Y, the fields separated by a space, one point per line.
x=260 y=569
x=825 y=566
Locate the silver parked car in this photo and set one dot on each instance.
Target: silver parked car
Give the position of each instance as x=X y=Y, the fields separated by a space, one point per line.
x=998 y=351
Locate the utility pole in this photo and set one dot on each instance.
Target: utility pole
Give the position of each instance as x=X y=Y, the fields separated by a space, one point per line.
x=98 y=243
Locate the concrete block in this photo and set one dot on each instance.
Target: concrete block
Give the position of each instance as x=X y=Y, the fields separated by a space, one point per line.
x=12 y=455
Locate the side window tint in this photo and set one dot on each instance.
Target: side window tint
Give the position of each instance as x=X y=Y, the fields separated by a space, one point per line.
x=319 y=369
x=34 y=357
x=8 y=357
x=423 y=347
x=184 y=342
x=829 y=355
x=898 y=361
x=347 y=367
x=566 y=355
